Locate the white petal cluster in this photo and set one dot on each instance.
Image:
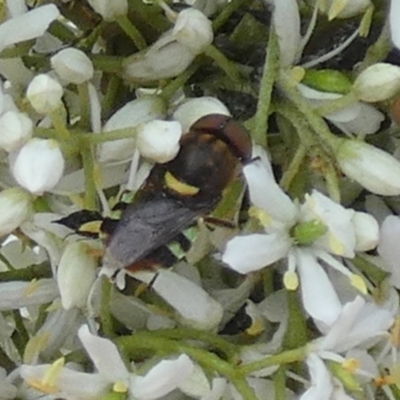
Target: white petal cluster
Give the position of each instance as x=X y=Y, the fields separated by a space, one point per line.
x=76 y=274
x=44 y=93
x=343 y=234
x=173 y=52
x=354 y=159
x=38 y=166
x=72 y=66
x=16 y=207
x=132 y=114
x=378 y=82
x=158 y=141
x=160 y=380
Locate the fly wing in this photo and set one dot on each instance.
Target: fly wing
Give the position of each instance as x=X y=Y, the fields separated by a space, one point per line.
x=147 y=225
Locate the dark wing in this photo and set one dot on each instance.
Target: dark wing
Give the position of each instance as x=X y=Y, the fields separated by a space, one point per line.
x=147 y=225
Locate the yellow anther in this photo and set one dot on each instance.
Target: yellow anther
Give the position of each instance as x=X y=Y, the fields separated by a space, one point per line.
x=120 y=387
x=358 y=283
x=261 y=215
x=48 y=384
x=351 y=365
x=291 y=280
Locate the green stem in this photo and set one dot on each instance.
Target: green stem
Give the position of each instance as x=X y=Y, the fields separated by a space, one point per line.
x=286 y=357
x=105 y=313
x=209 y=361
x=227 y=11
x=37 y=271
x=332 y=183
x=280 y=383
x=172 y=87
x=111 y=93
x=270 y=73
x=296 y=333
x=107 y=63
x=131 y=30
x=90 y=201
x=219 y=344
x=224 y=63
x=331 y=106
x=326 y=139
x=59 y=124
x=83 y=91
x=294 y=167
x=97 y=138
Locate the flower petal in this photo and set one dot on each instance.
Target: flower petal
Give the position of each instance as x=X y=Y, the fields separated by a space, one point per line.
x=394 y=22
x=319 y=297
x=27 y=26
x=266 y=194
x=104 y=355
x=162 y=379
x=250 y=253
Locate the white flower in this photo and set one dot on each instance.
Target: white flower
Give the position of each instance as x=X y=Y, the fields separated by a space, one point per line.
x=364 y=223
x=371 y=167
x=193 y=30
x=164 y=59
x=39 y=165
x=343 y=331
x=303 y=235
x=15 y=129
x=75 y=275
x=191 y=110
x=133 y=113
x=110 y=10
x=112 y=374
x=72 y=65
x=44 y=93
x=16 y=206
x=378 y=82
x=27 y=26
x=158 y=140
x=393 y=20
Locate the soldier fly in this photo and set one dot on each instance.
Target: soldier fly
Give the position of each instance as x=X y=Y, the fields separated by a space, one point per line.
x=174 y=196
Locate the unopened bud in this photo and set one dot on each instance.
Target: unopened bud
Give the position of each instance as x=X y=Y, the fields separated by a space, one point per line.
x=372 y=168
x=72 y=65
x=44 y=93
x=378 y=82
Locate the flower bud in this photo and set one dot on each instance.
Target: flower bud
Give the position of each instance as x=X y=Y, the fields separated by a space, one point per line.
x=371 y=167
x=193 y=30
x=166 y=58
x=75 y=275
x=109 y=10
x=192 y=110
x=133 y=113
x=15 y=206
x=39 y=165
x=378 y=82
x=15 y=130
x=72 y=65
x=158 y=140
x=44 y=93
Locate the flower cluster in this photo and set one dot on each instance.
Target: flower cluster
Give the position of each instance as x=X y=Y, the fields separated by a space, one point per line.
x=199 y=199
